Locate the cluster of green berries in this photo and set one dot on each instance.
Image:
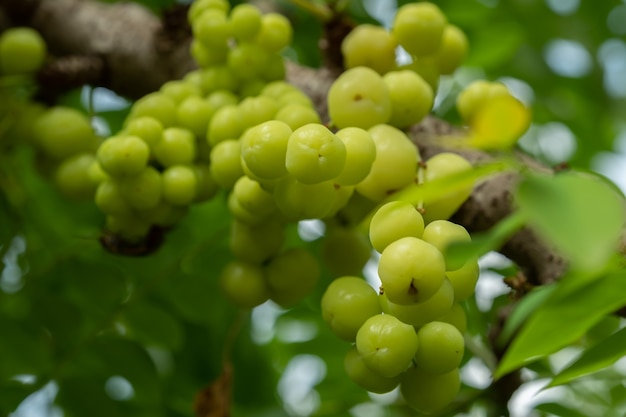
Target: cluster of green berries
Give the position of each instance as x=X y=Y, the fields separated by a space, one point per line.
x=242 y=42
x=180 y=145
x=410 y=333
x=422 y=29
x=375 y=89
x=235 y=126
x=62 y=136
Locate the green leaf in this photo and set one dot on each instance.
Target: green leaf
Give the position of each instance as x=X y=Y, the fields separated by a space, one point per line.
x=559 y=410
x=495 y=44
x=580 y=214
x=443 y=186
x=483 y=243
x=152 y=325
x=109 y=355
x=433 y=190
x=24 y=348
x=563 y=318
x=597 y=357
x=523 y=310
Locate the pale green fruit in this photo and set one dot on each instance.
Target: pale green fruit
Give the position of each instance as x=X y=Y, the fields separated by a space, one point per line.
x=314 y=154
x=392 y=221
x=366 y=378
x=346 y=304
x=386 y=344
x=411 y=270
x=359 y=98
x=429 y=393
x=441 y=347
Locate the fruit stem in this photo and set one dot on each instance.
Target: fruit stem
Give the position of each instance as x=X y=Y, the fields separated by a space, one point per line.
x=231 y=335
x=421 y=178
x=322 y=13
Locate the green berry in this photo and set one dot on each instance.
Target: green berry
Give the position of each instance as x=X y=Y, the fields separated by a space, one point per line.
x=453 y=50
x=441 y=234
x=256 y=243
x=180 y=185
x=142 y=191
x=177 y=147
x=291 y=276
x=194 y=114
x=62 y=132
x=179 y=90
x=110 y=200
x=314 y=154
x=255 y=110
x=226 y=123
x=360 y=155
x=206 y=187
x=464 y=280
x=247 y=60
x=393 y=221
x=226 y=163
x=363 y=376
x=441 y=347
x=199 y=6
x=346 y=305
x=418 y=314
x=122 y=156
x=149 y=129
x=369 y=46
x=156 y=105
x=276 y=89
x=411 y=97
x=264 y=149
x=242 y=215
x=428 y=393
x=476 y=95
x=253 y=198
x=297 y=115
x=419 y=27
x=425 y=67
x=456 y=317
x=72 y=177
x=359 y=98
x=22 y=51
x=275 y=33
x=411 y=270
x=244 y=284
x=395 y=165
x=212 y=28
x=218 y=77
x=128 y=227
x=207 y=57
x=220 y=98
x=386 y=344
x=245 y=21
x=440 y=166
x=299 y=201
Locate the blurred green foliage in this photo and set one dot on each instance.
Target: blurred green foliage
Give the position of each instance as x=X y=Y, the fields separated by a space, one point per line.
x=75 y=315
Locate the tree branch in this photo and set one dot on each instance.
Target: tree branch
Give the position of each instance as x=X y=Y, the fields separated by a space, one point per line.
x=139 y=53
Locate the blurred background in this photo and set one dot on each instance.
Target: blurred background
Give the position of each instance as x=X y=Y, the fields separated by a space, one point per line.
x=566 y=59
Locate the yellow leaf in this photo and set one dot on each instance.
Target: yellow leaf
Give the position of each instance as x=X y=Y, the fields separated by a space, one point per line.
x=499 y=123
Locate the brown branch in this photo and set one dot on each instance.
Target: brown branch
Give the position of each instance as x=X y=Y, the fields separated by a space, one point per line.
x=139 y=55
